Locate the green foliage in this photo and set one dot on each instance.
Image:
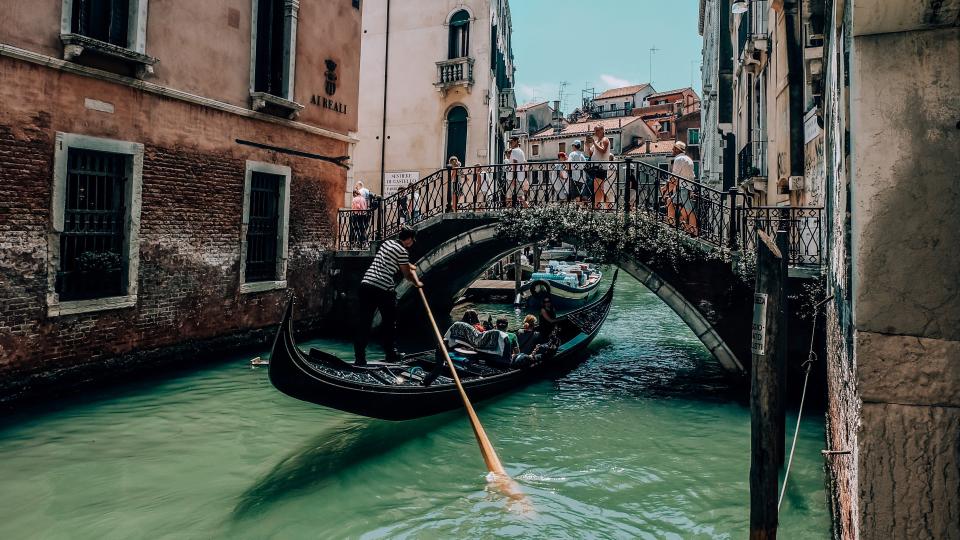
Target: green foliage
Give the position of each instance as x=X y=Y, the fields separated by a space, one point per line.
x=610 y=236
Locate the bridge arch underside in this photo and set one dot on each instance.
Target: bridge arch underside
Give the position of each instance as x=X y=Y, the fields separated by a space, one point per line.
x=707 y=296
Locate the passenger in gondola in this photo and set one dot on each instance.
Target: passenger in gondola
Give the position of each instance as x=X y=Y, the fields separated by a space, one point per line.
x=378 y=291
x=548 y=318
x=527 y=336
x=470 y=317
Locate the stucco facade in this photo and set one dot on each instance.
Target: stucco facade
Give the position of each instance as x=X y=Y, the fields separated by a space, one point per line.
x=414 y=136
x=190 y=138
x=893 y=356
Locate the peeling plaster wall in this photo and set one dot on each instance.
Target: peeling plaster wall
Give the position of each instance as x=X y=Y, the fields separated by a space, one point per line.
x=905 y=203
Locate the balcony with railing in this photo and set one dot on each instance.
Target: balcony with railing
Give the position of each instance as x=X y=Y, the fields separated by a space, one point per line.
x=752 y=33
x=508 y=103
x=752 y=161
x=455 y=72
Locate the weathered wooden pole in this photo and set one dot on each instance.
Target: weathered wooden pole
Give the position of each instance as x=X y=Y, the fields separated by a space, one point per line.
x=516 y=277
x=536 y=258
x=783 y=244
x=764 y=396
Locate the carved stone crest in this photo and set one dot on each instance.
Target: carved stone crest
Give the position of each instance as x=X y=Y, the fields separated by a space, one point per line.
x=331 y=83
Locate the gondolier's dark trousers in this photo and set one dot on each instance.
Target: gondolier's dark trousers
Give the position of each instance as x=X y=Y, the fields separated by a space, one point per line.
x=371 y=299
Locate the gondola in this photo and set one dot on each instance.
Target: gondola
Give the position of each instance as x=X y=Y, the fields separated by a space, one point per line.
x=397 y=392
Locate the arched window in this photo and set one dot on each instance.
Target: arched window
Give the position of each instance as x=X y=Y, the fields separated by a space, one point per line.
x=459 y=35
x=457 y=134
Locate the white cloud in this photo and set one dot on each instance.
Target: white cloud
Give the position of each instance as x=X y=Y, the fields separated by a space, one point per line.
x=612 y=81
x=537 y=92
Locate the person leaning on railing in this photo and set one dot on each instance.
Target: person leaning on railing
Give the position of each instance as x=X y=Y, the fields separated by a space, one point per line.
x=677 y=197
x=358 y=219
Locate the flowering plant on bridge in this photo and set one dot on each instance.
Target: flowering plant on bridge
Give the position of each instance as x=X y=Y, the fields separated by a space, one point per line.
x=614 y=236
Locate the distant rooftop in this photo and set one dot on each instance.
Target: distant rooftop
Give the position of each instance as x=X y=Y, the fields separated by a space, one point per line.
x=622 y=91
x=669 y=92
x=583 y=128
x=526 y=106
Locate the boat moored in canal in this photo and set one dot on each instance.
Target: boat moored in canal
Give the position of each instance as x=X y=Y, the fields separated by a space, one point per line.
x=569 y=285
x=396 y=391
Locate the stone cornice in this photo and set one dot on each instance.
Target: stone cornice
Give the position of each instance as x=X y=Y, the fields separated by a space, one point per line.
x=156 y=89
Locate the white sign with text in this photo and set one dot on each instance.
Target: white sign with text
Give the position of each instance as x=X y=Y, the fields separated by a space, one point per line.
x=393 y=181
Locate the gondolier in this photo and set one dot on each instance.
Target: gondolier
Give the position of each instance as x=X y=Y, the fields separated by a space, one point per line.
x=378 y=291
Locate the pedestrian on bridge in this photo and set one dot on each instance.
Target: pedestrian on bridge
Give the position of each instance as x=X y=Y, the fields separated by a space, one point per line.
x=598 y=147
x=679 y=198
x=378 y=291
x=519 y=186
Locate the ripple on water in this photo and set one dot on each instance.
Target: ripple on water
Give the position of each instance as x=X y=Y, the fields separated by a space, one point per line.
x=643 y=440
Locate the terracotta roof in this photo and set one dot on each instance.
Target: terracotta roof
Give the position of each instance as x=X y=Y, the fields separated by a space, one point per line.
x=656 y=147
x=668 y=92
x=587 y=127
x=526 y=106
x=623 y=91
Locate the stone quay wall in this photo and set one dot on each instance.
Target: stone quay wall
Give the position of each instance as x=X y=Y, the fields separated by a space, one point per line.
x=189 y=300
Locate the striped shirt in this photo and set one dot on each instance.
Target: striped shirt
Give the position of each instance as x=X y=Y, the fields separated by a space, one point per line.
x=386 y=264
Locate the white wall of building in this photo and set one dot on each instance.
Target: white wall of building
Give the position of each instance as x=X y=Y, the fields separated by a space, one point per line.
x=416 y=110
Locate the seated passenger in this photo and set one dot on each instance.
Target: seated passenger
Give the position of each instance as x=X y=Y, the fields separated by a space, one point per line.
x=528 y=337
x=470 y=317
x=511 y=337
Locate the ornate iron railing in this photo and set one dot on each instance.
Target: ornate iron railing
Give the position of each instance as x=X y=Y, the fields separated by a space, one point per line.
x=716 y=217
x=803 y=226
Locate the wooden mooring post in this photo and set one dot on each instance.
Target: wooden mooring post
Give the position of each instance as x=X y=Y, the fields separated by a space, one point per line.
x=782 y=351
x=517 y=275
x=766 y=396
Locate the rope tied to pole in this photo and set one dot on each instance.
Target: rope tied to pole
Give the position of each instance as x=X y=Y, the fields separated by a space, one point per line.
x=808 y=363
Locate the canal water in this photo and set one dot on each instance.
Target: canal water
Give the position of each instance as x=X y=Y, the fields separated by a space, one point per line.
x=645 y=440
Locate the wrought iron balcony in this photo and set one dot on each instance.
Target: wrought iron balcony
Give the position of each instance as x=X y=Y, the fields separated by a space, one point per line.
x=455 y=72
x=752 y=33
x=508 y=103
x=752 y=161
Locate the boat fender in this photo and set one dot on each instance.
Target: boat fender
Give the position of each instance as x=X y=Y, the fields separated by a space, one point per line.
x=540 y=288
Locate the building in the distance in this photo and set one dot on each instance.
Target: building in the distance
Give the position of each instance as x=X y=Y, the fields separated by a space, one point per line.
x=623 y=132
x=617 y=101
x=437 y=81
x=169 y=175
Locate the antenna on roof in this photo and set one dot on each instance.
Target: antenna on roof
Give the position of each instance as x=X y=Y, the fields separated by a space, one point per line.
x=560 y=92
x=652 y=50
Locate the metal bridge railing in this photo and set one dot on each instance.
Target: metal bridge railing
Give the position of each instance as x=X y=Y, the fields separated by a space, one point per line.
x=716 y=217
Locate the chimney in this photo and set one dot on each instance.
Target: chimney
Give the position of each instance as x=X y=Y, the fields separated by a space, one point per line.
x=648 y=147
x=557 y=123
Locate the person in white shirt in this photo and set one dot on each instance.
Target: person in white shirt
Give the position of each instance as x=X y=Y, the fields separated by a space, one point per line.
x=677 y=195
x=518 y=159
x=599 y=149
x=579 y=190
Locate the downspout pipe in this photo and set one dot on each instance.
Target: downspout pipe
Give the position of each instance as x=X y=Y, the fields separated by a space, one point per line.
x=383 y=131
x=795 y=85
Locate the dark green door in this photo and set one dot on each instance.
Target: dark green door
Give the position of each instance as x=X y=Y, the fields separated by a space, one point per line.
x=457 y=134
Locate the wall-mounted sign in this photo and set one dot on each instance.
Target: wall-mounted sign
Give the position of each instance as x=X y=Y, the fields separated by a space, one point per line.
x=393 y=181
x=758 y=335
x=330 y=87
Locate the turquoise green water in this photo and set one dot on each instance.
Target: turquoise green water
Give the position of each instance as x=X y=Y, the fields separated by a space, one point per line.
x=643 y=441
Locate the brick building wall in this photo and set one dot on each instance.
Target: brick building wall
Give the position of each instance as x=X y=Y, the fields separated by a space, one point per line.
x=189 y=298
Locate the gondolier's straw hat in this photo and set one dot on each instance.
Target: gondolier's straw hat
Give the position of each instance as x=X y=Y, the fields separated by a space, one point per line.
x=679 y=145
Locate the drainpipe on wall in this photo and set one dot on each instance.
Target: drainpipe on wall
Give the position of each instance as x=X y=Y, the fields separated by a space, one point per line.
x=383 y=132
x=795 y=81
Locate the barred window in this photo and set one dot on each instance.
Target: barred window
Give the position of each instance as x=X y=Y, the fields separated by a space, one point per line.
x=91 y=263
x=263 y=227
x=104 y=20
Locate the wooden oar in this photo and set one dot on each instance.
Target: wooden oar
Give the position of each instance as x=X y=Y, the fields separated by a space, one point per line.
x=500 y=476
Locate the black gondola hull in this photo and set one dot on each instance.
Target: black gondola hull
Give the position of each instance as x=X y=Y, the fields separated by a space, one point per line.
x=294 y=374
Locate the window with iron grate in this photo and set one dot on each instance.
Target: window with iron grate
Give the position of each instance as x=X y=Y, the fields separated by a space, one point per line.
x=91 y=263
x=104 y=20
x=263 y=227
x=271 y=39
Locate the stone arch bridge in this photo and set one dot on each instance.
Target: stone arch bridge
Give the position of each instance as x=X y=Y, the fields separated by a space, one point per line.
x=457 y=213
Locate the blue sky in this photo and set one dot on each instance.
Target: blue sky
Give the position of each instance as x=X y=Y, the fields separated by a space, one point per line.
x=554 y=40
